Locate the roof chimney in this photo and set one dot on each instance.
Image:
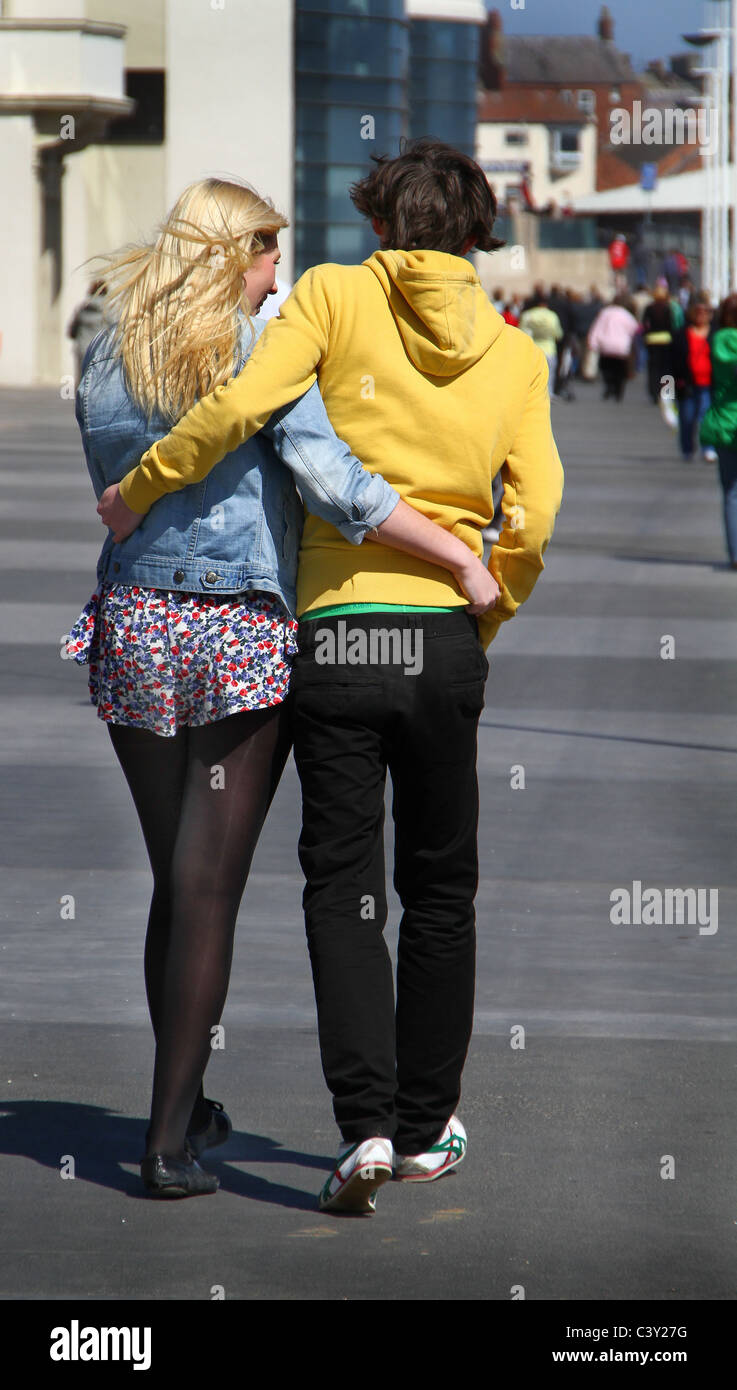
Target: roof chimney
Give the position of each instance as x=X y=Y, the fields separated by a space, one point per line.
x=492 y=53
x=606 y=25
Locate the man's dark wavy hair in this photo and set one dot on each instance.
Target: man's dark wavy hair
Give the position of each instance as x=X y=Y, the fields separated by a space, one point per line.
x=431 y=197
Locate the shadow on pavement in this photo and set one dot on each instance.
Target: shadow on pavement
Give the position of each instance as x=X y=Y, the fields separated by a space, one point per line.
x=608 y=738
x=101 y=1141
x=681 y=560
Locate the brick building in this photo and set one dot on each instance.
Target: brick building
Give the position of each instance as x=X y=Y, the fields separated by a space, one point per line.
x=592 y=78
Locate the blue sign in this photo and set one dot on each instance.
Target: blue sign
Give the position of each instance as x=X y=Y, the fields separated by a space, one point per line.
x=649 y=178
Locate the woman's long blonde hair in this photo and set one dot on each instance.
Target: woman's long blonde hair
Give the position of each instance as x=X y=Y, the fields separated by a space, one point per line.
x=175 y=303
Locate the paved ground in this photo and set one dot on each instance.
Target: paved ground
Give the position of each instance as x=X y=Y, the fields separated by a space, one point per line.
x=628 y=1068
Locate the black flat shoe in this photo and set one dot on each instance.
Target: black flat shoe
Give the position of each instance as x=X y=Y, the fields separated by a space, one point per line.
x=175 y=1177
x=217 y=1131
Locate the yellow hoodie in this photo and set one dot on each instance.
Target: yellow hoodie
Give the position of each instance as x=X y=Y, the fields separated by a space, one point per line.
x=427 y=385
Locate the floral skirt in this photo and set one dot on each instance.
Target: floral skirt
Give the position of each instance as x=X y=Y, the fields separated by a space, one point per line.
x=159 y=659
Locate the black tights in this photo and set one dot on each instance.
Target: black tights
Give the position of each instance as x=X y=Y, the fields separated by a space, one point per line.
x=201 y=797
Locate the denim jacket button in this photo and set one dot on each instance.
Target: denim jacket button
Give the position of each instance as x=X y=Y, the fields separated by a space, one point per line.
x=211 y=577
x=178 y=576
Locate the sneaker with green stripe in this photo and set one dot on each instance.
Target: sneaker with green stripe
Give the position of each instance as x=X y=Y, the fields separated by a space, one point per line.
x=358 y=1174
x=449 y=1151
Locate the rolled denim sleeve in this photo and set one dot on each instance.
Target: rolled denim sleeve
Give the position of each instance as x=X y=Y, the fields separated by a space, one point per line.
x=333 y=483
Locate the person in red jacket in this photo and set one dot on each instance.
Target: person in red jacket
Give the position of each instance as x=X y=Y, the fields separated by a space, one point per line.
x=511 y=313
x=692 y=371
x=619 y=255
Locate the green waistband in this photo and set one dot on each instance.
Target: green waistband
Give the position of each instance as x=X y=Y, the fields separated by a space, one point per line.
x=333 y=609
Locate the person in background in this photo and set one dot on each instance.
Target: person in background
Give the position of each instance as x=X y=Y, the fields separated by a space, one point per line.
x=685 y=293
x=692 y=371
x=511 y=312
x=544 y=327
x=674 y=269
x=537 y=292
x=595 y=302
x=497 y=298
x=574 y=336
x=612 y=335
x=658 y=328
x=640 y=300
x=719 y=425
x=619 y=255
x=586 y=311
x=85 y=324
x=677 y=311
x=559 y=302
x=583 y=313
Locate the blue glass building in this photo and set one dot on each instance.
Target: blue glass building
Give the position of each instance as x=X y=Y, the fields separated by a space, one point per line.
x=351 y=67
x=367 y=74
x=443 y=82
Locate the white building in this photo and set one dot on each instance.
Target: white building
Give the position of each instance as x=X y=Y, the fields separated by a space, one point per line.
x=213 y=83
x=530 y=142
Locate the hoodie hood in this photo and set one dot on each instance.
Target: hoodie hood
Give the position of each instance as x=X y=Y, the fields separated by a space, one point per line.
x=441 y=311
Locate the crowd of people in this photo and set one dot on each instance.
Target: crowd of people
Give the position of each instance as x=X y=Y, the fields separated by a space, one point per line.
x=686 y=349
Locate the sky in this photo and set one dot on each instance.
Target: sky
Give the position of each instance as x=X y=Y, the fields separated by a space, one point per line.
x=643 y=28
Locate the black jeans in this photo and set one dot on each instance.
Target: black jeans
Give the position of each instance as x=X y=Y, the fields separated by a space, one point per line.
x=614 y=375
x=412 y=707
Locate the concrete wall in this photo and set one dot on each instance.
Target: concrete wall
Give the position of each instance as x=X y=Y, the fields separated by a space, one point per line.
x=520 y=264
x=229 y=111
x=60 y=62
x=230 y=99
x=45 y=9
x=19 y=250
x=145 y=20
x=113 y=195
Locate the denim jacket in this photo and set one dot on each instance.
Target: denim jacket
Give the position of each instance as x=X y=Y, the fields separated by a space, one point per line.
x=240 y=527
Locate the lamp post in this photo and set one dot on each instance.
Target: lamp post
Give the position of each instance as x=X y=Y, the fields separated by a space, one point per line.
x=703 y=40
x=719 y=257
x=733 y=174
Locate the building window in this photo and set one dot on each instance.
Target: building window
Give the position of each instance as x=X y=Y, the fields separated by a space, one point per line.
x=515 y=137
x=565 y=149
x=615 y=95
x=567 y=95
x=586 y=102
x=146 y=125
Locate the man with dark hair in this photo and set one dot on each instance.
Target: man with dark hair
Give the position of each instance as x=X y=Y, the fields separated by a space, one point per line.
x=429 y=197
x=428 y=384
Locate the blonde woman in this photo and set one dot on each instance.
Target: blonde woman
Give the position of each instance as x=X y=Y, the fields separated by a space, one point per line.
x=190 y=634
